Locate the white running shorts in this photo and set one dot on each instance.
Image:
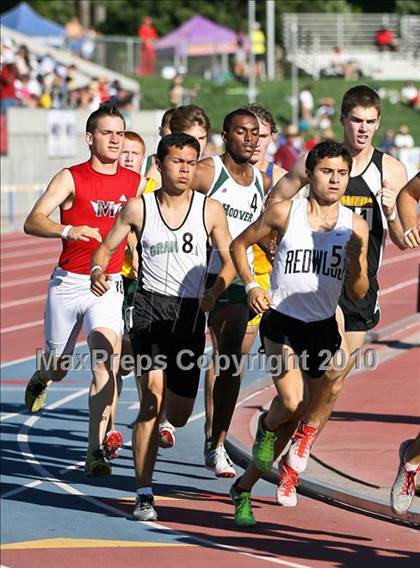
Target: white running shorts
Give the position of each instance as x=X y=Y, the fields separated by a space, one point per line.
x=71 y=305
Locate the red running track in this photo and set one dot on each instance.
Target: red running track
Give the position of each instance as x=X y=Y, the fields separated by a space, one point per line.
x=27 y=263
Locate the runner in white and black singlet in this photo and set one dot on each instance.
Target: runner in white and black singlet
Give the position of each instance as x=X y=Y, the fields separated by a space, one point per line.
x=173 y=226
x=240 y=188
x=319 y=240
x=375 y=182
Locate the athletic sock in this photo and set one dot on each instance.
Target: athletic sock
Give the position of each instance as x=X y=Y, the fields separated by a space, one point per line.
x=239 y=489
x=144 y=491
x=411 y=466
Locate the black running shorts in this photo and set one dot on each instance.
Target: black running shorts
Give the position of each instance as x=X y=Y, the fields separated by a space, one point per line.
x=169 y=333
x=312 y=338
x=364 y=314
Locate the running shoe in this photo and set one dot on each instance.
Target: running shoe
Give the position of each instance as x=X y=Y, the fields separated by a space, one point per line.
x=263 y=448
x=404 y=487
x=112 y=443
x=218 y=461
x=244 y=516
x=300 y=448
x=145 y=508
x=166 y=435
x=286 y=489
x=36 y=392
x=96 y=465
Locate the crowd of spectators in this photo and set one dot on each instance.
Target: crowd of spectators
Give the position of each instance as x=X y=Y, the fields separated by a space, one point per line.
x=41 y=82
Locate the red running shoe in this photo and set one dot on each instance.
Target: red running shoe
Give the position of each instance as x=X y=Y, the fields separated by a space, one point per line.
x=112 y=443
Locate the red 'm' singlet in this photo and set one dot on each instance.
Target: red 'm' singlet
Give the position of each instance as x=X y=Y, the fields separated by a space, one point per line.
x=97 y=202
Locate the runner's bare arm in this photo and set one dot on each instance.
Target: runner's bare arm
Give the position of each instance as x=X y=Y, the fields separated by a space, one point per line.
x=395 y=178
x=203 y=177
x=132 y=246
x=274 y=218
x=130 y=217
x=407 y=201
x=217 y=226
x=290 y=183
x=269 y=182
x=142 y=186
x=59 y=193
x=154 y=174
x=357 y=280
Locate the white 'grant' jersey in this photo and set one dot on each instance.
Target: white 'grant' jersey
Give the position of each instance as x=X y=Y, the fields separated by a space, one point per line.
x=173 y=262
x=242 y=203
x=309 y=266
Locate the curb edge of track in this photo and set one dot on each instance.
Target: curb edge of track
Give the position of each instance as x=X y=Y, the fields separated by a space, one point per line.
x=323 y=490
x=327 y=492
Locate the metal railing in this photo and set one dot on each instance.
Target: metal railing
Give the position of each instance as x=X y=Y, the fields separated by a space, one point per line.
x=351 y=32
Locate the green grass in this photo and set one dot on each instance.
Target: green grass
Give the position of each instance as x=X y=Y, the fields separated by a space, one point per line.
x=218 y=100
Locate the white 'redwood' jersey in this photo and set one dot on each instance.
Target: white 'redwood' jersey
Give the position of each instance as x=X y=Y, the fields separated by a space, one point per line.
x=173 y=262
x=242 y=204
x=309 y=266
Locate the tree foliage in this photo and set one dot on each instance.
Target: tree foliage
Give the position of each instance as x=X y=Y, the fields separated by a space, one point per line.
x=124 y=16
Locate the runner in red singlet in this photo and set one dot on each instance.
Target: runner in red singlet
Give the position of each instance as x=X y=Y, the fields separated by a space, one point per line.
x=89 y=196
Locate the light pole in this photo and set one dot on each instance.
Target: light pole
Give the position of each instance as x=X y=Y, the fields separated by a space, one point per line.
x=271 y=44
x=252 y=91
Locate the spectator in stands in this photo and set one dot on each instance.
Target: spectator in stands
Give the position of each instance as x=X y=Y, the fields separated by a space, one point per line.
x=409 y=93
x=384 y=39
x=341 y=66
x=306 y=107
x=287 y=155
x=87 y=48
x=325 y=113
x=74 y=34
x=8 y=76
x=313 y=140
x=258 y=48
x=24 y=61
x=148 y=35
x=240 y=57
x=177 y=92
x=387 y=144
x=328 y=134
x=404 y=139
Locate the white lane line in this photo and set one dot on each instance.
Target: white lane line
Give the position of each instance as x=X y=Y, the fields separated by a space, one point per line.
x=397 y=287
x=401 y=258
x=33 y=251
x=25 y=281
x=27 y=265
x=23 y=441
x=8 y=416
x=23 y=301
x=25 y=359
x=23 y=242
x=20 y=326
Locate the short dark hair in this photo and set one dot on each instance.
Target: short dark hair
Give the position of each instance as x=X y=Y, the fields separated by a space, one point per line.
x=227 y=122
x=105 y=109
x=166 y=118
x=327 y=149
x=179 y=140
x=263 y=114
x=185 y=117
x=361 y=95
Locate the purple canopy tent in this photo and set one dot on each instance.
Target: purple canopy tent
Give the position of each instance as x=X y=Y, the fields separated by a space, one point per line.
x=199 y=36
x=201 y=39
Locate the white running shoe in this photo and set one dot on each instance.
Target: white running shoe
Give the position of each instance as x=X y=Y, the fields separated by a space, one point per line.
x=286 y=489
x=217 y=460
x=298 y=455
x=404 y=488
x=166 y=435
